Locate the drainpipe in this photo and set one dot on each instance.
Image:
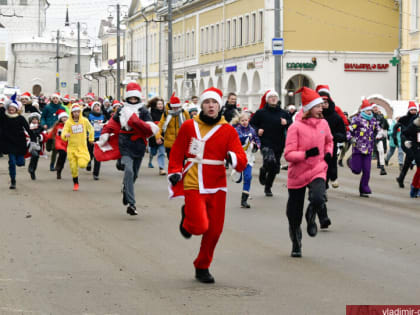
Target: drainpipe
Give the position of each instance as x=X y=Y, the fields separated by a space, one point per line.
x=14 y=64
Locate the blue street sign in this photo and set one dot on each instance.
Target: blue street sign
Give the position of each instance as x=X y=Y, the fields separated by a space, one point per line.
x=63 y=84
x=277 y=46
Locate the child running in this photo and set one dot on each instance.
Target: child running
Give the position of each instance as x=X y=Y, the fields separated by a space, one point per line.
x=60 y=144
x=40 y=135
x=97 y=120
x=250 y=143
x=75 y=132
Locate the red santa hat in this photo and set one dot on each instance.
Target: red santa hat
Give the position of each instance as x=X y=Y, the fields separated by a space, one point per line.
x=323 y=88
x=365 y=105
x=213 y=93
x=90 y=95
x=116 y=103
x=76 y=107
x=412 y=105
x=56 y=94
x=270 y=93
x=174 y=101
x=26 y=95
x=62 y=113
x=66 y=98
x=310 y=98
x=133 y=89
x=263 y=100
x=95 y=104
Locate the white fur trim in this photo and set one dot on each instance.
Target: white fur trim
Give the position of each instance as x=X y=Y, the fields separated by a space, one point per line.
x=271 y=93
x=63 y=115
x=234 y=159
x=324 y=90
x=312 y=104
x=153 y=126
x=366 y=108
x=176 y=105
x=125 y=114
x=211 y=94
x=417 y=121
x=55 y=95
x=133 y=93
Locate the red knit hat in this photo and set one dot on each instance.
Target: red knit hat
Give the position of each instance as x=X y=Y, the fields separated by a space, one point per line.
x=90 y=95
x=310 y=98
x=61 y=113
x=212 y=93
x=365 y=105
x=412 y=105
x=116 y=103
x=174 y=101
x=323 y=88
x=26 y=95
x=133 y=90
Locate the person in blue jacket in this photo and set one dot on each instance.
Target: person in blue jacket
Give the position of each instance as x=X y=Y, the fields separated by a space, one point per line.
x=97 y=119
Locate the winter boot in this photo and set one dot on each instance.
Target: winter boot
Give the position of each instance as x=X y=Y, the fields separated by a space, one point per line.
x=296 y=238
x=183 y=231
x=124 y=200
x=75 y=183
x=244 y=198
x=340 y=163
x=32 y=173
x=383 y=172
x=262 y=176
x=400 y=182
x=12 y=184
x=203 y=275
x=267 y=191
x=89 y=166
x=131 y=210
x=310 y=216
x=324 y=220
x=52 y=167
x=58 y=173
x=386 y=162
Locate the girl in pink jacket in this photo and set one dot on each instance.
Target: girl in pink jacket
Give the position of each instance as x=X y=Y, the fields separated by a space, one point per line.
x=309 y=146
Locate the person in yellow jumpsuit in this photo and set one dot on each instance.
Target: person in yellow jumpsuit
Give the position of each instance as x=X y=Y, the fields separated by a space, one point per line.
x=76 y=131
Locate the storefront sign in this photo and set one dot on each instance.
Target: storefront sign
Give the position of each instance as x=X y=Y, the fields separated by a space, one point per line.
x=250 y=65
x=204 y=73
x=231 y=69
x=218 y=71
x=191 y=75
x=259 y=63
x=301 y=65
x=366 y=67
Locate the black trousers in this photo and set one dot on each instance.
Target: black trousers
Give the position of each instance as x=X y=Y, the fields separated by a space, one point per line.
x=96 y=163
x=168 y=152
x=332 y=172
x=297 y=199
x=61 y=160
x=271 y=165
x=409 y=157
x=33 y=164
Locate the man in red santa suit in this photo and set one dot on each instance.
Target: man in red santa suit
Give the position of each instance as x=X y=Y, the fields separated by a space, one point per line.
x=133 y=125
x=204 y=143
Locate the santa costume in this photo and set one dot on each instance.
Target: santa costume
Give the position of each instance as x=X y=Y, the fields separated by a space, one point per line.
x=125 y=136
x=203 y=143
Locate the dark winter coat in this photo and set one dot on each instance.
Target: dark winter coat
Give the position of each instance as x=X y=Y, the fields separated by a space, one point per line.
x=269 y=119
x=412 y=133
x=403 y=124
x=229 y=111
x=156 y=116
x=13 y=139
x=49 y=116
x=133 y=148
x=337 y=127
x=382 y=121
x=29 y=108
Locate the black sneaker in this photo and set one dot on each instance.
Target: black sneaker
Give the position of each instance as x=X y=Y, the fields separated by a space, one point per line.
x=363 y=195
x=89 y=167
x=52 y=167
x=125 y=200
x=262 y=176
x=131 y=210
x=183 y=231
x=58 y=174
x=400 y=182
x=268 y=192
x=203 y=275
x=33 y=177
x=310 y=216
x=13 y=184
x=95 y=177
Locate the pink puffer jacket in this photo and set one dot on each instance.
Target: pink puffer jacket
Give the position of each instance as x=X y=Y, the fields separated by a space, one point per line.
x=303 y=135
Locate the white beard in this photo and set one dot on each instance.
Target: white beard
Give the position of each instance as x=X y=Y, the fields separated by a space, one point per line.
x=127 y=111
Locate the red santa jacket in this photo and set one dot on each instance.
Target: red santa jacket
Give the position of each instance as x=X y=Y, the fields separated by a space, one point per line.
x=208 y=153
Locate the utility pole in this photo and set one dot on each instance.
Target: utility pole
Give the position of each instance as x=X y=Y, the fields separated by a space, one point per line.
x=170 y=49
x=57 y=79
x=147 y=55
x=118 y=54
x=277 y=58
x=399 y=52
x=79 y=78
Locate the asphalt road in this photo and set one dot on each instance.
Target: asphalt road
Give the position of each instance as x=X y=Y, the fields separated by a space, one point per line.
x=65 y=252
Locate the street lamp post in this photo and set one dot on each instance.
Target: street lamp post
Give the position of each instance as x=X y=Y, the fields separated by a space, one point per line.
x=57 y=75
x=118 y=54
x=147 y=55
x=79 y=79
x=170 y=49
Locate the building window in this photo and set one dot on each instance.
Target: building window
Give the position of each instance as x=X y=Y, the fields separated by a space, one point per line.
x=212 y=44
x=3 y=2
x=206 y=42
x=253 y=27
x=261 y=26
x=221 y=33
x=415 y=84
x=217 y=39
x=414 y=15
x=246 y=30
x=175 y=48
x=192 y=43
x=187 y=45
x=202 y=41
x=181 y=47
x=234 y=30
x=240 y=31
x=228 y=35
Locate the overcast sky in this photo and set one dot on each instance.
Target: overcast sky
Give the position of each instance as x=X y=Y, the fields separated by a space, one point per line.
x=87 y=11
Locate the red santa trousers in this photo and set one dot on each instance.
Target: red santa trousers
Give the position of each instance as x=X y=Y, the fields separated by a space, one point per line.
x=205 y=215
x=416 y=178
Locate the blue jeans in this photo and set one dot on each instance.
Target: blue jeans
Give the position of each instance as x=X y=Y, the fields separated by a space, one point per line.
x=14 y=160
x=160 y=152
x=400 y=154
x=247 y=177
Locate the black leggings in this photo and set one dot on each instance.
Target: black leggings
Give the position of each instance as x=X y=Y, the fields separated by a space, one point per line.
x=297 y=199
x=96 y=163
x=61 y=160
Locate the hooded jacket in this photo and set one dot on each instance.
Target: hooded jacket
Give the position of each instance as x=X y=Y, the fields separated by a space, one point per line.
x=338 y=129
x=78 y=134
x=304 y=134
x=173 y=127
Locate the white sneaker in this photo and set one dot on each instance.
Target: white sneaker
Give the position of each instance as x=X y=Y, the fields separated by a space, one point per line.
x=335 y=184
